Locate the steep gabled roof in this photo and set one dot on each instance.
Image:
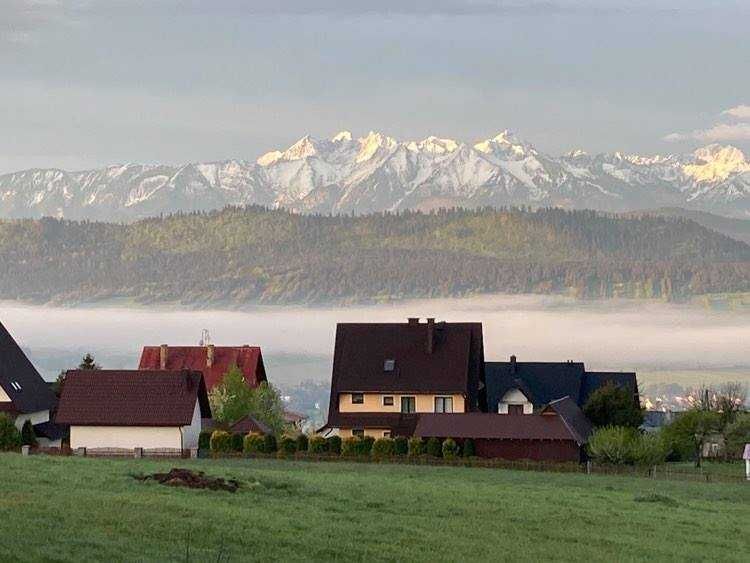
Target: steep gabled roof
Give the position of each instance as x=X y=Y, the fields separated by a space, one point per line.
x=247 y=358
x=572 y=415
x=249 y=424
x=131 y=398
x=549 y=381
x=453 y=364
x=479 y=425
x=20 y=380
x=544 y=381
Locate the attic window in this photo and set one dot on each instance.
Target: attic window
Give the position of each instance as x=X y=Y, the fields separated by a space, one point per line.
x=389 y=365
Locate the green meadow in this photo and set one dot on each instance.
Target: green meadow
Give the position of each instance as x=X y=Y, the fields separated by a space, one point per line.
x=73 y=509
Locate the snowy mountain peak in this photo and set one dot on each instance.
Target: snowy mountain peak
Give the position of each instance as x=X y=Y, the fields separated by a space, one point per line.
x=433 y=145
x=342 y=136
x=270 y=158
x=301 y=149
x=372 y=143
x=716 y=163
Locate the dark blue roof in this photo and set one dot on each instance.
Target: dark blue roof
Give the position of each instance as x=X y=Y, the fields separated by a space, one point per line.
x=544 y=382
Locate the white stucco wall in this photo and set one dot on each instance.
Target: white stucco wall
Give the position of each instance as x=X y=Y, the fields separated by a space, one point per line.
x=34 y=417
x=191 y=433
x=514 y=397
x=127 y=437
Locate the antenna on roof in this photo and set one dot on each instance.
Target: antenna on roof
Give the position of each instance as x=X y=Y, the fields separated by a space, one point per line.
x=205 y=338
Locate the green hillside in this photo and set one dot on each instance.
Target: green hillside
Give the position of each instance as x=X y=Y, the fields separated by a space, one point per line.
x=76 y=509
x=256 y=255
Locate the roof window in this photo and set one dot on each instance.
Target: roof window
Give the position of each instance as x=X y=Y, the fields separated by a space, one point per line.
x=15 y=385
x=389 y=365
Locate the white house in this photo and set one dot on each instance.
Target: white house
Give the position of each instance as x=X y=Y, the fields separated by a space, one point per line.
x=133 y=409
x=24 y=395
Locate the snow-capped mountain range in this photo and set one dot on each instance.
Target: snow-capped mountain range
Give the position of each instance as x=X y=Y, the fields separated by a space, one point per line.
x=377 y=173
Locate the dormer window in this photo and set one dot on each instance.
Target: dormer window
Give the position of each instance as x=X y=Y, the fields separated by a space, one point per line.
x=389 y=365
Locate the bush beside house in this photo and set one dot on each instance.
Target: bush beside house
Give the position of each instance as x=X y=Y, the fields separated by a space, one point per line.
x=383 y=448
x=317 y=445
x=620 y=445
x=450 y=449
x=28 y=438
x=334 y=445
x=434 y=447
x=221 y=442
x=10 y=437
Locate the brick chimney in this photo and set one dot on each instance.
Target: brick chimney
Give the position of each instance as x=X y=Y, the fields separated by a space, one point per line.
x=413 y=320
x=210 y=355
x=163 y=356
x=512 y=364
x=430 y=334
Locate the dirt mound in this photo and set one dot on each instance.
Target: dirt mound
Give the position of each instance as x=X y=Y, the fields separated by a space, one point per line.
x=191 y=479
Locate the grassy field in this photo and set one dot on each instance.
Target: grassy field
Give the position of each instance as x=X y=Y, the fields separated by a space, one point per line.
x=88 y=509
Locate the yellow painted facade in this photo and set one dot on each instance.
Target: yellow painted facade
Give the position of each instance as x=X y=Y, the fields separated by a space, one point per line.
x=374 y=432
x=373 y=402
x=4 y=398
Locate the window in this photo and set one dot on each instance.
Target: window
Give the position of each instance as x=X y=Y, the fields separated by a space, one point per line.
x=515 y=409
x=408 y=404
x=386 y=433
x=358 y=398
x=15 y=385
x=359 y=432
x=388 y=401
x=389 y=365
x=443 y=404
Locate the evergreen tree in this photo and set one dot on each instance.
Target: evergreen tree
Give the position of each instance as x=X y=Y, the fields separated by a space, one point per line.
x=88 y=363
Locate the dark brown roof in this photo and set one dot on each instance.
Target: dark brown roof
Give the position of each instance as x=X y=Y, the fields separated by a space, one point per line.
x=131 y=398
x=20 y=380
x=248 y=424
x=493 y=426
x=399 y=424
x=573 y=417
x=247 y=358
x=455 y=364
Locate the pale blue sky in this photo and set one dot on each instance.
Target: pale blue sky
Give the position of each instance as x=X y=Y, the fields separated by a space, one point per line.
x=85 y=83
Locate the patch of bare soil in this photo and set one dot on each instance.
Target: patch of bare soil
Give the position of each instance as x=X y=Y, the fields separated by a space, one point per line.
x=192 y=480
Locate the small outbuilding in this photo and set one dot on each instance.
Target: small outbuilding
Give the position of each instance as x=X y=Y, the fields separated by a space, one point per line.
x=118 y=409
x=557 y=433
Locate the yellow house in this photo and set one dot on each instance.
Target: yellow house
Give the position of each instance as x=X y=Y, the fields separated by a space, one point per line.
x=385 y=374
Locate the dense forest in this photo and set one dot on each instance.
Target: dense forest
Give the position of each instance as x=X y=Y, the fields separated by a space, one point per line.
x=257 y=255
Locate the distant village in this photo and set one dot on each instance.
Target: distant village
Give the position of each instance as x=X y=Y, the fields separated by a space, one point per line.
x=394 y=384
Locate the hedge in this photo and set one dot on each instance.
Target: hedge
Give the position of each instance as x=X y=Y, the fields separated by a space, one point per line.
x=269 y=444
x=469 y=449
x=10 y=437
x=416 y=447
x=317 y=445
x=28 y=438
x=400 y=445
x=450 y=449
x=334 y=445
x=350 y=446
x=204 y=440
x=382 y=448
x=253 y=444
x=287 y=445
x=237 y=442
x=221 y=441
x=434 y=447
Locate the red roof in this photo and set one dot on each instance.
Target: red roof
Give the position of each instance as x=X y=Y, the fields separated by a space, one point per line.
x=131 y=398
x=247 y=358
x=493 y=426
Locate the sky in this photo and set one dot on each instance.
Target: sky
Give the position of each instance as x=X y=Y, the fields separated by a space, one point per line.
x=84 y=83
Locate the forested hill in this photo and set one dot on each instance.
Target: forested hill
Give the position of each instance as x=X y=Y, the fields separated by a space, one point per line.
x=255 y=255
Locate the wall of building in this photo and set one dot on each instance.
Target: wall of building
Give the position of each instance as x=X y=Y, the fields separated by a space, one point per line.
x=374 y=432
x=34 y=417
x=127 y=437
x=515 y=397
x=4 y=398
x=191 y=432
x=537 y=450
x=373 y=402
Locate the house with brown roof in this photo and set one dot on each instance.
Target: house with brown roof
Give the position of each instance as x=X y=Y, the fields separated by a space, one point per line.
x=386 y=374
x=558 y=432
x=129 y=409
x=212 y=361
x=24 y=395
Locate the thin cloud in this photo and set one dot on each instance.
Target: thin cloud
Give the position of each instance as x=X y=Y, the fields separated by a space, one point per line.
x=740 y=112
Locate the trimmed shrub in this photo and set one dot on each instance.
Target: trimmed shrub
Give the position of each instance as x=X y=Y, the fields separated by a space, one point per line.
x=28 y=438
x=334 y=445
x=614 y=444
x=269 y=444
x=204 y=440
x=350 y=446
x=237 y=442
x=287 y=445
x=469 y=449
x=400 y=445
x=383 y=448
x=434 y=447
x=416 y=447
x=317 y=445
x=365 y=445
x=221 y=442
x=450 y=449
x=302 y=443
x=10 y=437
x=253 y=444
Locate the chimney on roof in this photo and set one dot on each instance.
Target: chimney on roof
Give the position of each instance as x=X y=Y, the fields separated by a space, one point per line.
x=430 y=334
x=163 y=356
x=210 y=355
x=413 y=320
x=513 y=364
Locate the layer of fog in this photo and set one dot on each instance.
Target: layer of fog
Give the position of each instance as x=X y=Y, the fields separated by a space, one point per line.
x=621 y=335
